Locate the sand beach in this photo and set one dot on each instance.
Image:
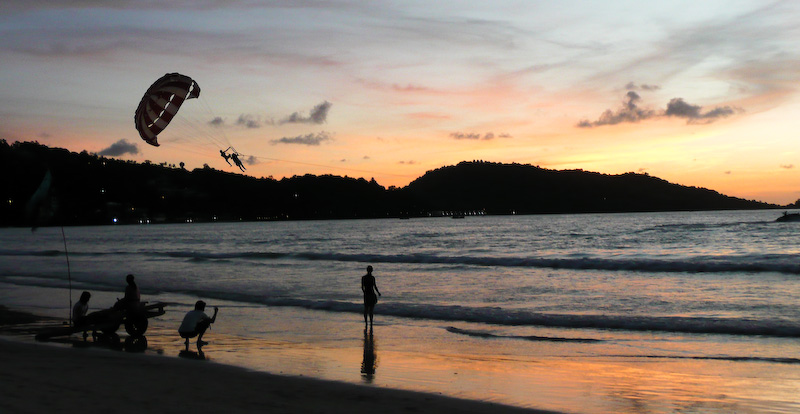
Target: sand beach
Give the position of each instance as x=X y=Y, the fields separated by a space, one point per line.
x=51 y=377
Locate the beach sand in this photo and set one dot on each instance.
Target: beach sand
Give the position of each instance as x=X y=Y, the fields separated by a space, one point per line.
x=54 y=378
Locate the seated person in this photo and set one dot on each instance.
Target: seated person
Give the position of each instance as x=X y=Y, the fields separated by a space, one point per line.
x=132 y=297
x=80 y=315
x=80 y=309
x=196 y=322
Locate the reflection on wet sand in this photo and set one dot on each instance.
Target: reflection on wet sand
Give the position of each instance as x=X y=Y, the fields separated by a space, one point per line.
x=370 y=361
x=113 y=341
x=198 y=355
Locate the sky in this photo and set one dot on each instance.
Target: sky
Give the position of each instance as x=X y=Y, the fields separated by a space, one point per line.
x=699 y=93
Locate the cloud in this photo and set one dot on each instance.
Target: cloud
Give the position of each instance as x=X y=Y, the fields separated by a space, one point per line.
x=787 y=166
x=252 y=160
x=477 y=136
x=120 y=147
x=410 y=162
x=217 y=121
x=677 y=107
x=248 y=121
x=318 y=115
x=631 y=86
x=308 y=139
x=629 y=113
x=409 y=88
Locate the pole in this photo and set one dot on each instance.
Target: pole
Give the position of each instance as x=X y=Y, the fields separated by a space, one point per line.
x=69 y=272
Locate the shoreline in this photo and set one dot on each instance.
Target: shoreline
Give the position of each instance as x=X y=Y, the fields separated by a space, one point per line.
x=44 y=377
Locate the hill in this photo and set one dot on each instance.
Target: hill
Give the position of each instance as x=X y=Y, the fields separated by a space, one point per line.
x=525 y=189
x=88 y=189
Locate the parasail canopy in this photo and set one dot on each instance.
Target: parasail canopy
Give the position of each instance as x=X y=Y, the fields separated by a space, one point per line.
x=160 y=104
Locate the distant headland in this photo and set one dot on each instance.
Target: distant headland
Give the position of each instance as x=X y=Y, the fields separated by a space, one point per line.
x=53 y=186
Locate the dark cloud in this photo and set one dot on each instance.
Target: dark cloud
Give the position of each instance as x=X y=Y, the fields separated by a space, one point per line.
x=410 y=162
x=248 y=121
x=308 y=139
x=318 y=115
x=217 y=121
x=787 y=166
x=629 y=113
x=476 y=136
x=120 y=147
x=677 y=107
x=631 y=86
x=252 y=160
x=461 y=135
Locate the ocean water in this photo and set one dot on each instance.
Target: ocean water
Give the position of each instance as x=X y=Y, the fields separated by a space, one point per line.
x=646 y=312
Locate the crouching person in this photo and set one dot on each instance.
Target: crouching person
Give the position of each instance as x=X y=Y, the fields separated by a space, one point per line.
x=195 y=323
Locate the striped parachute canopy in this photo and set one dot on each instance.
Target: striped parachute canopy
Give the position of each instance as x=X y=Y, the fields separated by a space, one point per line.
x=160 y=104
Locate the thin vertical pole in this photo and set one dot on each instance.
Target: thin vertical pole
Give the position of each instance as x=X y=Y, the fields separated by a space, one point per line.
x=69 y=273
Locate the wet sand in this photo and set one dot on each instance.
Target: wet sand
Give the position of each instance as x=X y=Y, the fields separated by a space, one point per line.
x=53 y=378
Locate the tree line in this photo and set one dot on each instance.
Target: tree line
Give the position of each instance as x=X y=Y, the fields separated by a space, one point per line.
x=87 y=189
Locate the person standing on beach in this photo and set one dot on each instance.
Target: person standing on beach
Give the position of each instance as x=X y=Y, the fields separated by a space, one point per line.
x=196 y=322
x=369 y=288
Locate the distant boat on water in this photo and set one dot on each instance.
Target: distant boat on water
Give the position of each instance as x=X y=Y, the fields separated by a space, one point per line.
x=789 y=217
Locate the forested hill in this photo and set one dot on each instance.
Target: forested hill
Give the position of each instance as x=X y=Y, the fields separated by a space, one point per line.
x=88 y=189
x=529 y=189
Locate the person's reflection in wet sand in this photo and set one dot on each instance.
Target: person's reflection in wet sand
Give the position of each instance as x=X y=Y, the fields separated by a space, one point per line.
x=370 y=361
x=199 y=355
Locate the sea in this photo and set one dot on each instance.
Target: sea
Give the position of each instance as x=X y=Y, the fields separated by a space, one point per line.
x=584 y=313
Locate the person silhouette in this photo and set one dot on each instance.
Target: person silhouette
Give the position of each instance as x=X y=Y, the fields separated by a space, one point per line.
x=195 y=323
x=132 y=296
x=225 y=156
x=369 y=287
x=80 y=309
x=237 y=161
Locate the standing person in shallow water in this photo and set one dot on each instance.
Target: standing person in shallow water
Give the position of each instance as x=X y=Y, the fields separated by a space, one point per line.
x=369 y=288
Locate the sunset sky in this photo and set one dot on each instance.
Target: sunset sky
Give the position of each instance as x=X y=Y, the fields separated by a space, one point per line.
x=700 y=93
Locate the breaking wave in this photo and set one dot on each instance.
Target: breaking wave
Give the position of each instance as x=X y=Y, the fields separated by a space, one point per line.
x=766 y=263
